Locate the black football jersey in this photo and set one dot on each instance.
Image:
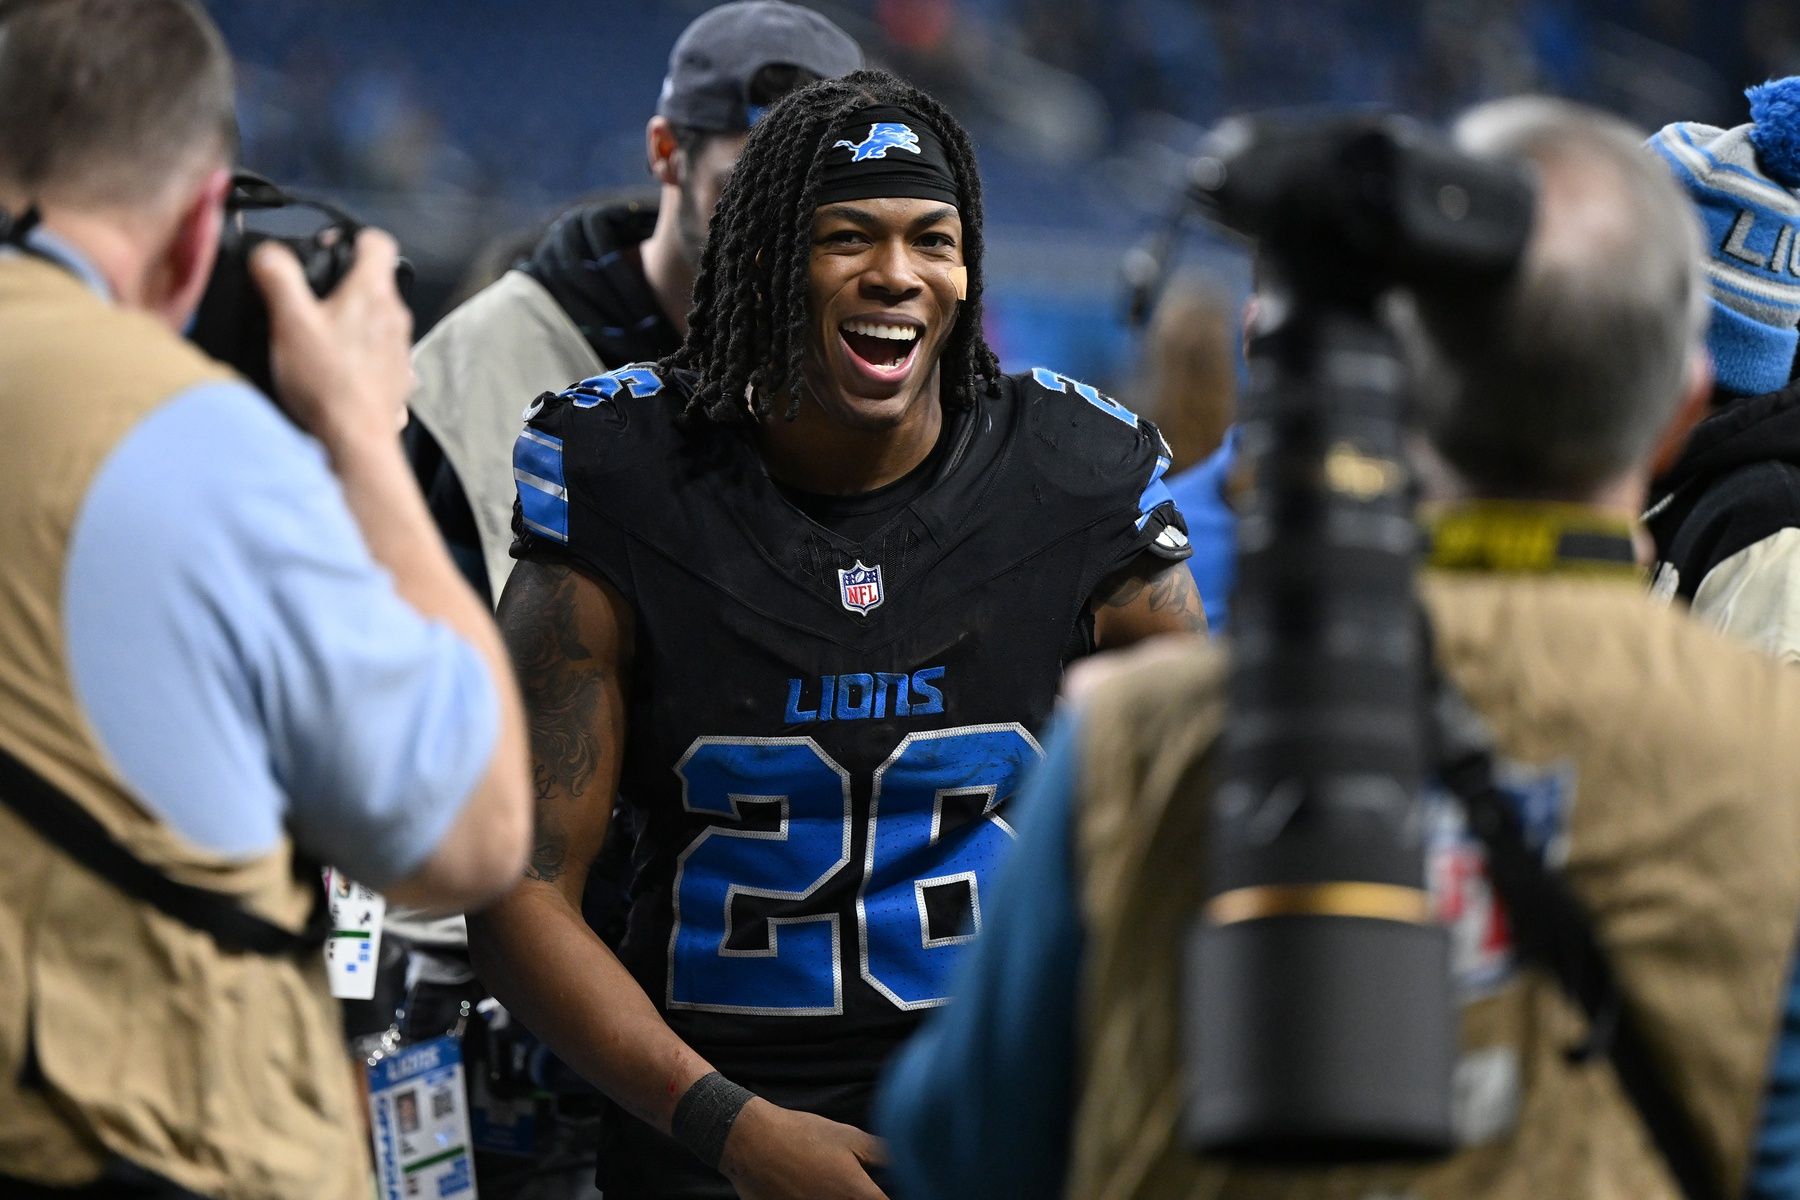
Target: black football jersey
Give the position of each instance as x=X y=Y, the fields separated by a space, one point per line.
x=824 y=735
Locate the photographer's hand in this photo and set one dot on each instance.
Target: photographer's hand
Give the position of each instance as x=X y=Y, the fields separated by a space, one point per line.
x=341 y=364
x=343 y=372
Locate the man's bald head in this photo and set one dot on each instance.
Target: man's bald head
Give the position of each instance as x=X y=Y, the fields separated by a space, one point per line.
x=1567 y=379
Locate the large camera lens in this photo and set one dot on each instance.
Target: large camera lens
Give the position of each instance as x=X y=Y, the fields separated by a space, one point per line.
x=1319 y=1006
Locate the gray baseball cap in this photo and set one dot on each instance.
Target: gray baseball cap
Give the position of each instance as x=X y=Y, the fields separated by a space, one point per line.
x=715 y=58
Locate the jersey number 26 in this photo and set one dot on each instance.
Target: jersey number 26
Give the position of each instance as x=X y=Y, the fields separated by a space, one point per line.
x=795 y=967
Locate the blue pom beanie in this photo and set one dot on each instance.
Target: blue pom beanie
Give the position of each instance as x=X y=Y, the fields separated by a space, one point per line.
x=1743 y=183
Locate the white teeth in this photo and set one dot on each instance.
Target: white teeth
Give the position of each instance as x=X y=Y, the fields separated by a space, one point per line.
x=896 y=333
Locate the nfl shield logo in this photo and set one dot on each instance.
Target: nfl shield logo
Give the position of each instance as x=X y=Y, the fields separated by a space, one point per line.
x=860 y=587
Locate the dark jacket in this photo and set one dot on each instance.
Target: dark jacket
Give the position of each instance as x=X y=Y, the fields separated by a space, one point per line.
x=1721 y=519
x=587 y=266
x=588 y=260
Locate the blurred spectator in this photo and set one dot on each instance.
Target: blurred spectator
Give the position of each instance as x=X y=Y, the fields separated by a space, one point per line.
x=1726 y=514
x=233 y=646
x=1772 y=36
x=1190 y=371
x=1057 y=1071
x=609 y=284
x=1191 y=385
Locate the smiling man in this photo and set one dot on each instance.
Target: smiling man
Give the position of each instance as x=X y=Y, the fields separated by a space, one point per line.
x=610 y=283
x=803 y=595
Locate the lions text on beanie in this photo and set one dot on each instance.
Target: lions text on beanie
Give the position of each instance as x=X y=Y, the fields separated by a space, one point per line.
x=1743 y=183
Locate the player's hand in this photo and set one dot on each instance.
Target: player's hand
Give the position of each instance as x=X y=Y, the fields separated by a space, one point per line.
x=342 y=365
x=776 y=1153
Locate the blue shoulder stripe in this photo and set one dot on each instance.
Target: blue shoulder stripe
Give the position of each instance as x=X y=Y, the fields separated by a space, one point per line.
x=1050 y=381
x=543 y=495
x=1156 y=492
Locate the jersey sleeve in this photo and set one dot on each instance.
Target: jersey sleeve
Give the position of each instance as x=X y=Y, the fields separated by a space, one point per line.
x=576 y=448
x=1095 y=446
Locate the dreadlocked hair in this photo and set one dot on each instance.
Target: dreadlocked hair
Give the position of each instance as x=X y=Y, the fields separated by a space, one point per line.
x=748 y=328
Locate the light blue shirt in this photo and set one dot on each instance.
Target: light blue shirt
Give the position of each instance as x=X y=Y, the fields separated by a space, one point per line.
x=1199 y=493
x=246 y=664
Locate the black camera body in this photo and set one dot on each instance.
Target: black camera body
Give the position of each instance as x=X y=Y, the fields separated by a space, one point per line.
x=1352 y=206
x=232 y=322
x=1319 y=1019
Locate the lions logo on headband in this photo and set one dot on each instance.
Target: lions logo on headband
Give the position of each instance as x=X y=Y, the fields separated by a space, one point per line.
x=883 y=136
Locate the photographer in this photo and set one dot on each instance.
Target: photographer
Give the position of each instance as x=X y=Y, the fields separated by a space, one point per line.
x=1653 y=761
x=232 y=647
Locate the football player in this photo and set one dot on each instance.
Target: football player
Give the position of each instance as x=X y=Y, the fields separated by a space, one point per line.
x=803 y=594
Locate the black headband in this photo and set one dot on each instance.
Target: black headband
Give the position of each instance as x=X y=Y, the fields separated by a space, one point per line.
x=885 y=151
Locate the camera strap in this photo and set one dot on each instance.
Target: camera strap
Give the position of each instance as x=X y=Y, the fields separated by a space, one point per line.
x=75 y=831
x=1532 y=537
x=13 y=230
x=1552 y=928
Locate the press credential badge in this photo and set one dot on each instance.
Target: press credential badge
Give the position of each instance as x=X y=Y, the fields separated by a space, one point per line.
x=354 y=947
x=419 y=1115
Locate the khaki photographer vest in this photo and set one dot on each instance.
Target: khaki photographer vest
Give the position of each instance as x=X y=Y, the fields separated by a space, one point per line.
x=124 y=1033
x=1681 y=839
x=477 y=370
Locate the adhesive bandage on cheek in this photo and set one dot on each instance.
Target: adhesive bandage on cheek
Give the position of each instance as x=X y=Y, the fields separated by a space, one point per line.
x=959 y=278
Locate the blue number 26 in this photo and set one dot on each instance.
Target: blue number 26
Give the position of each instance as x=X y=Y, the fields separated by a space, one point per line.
x=722 y=961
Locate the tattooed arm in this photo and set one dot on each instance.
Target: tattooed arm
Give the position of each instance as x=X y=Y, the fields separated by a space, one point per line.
x=570 y=638
x=1146 y=598
x=567 y=637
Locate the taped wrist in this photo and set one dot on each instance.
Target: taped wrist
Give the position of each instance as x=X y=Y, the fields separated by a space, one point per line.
x=705 y=1114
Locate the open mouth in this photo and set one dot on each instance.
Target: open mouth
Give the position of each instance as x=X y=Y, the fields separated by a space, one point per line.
x=885 y=349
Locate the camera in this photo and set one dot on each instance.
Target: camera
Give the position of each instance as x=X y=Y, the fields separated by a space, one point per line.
x=232 y=323
x=1318 y=1022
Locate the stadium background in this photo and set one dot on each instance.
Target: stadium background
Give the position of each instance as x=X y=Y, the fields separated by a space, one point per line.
x=455 y=122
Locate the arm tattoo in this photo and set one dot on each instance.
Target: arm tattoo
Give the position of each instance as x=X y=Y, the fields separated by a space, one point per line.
x=560 y=680
x=1170 y=589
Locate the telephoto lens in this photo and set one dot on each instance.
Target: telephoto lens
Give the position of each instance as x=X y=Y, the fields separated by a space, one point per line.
x=1319 y=1020
x=1319 y=1006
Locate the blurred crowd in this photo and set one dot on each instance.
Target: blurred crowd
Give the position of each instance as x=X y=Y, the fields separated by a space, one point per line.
x=411 y=96
x=455 y=124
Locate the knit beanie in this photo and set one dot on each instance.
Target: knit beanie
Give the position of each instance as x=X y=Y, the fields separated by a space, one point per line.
x=1743 y=182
